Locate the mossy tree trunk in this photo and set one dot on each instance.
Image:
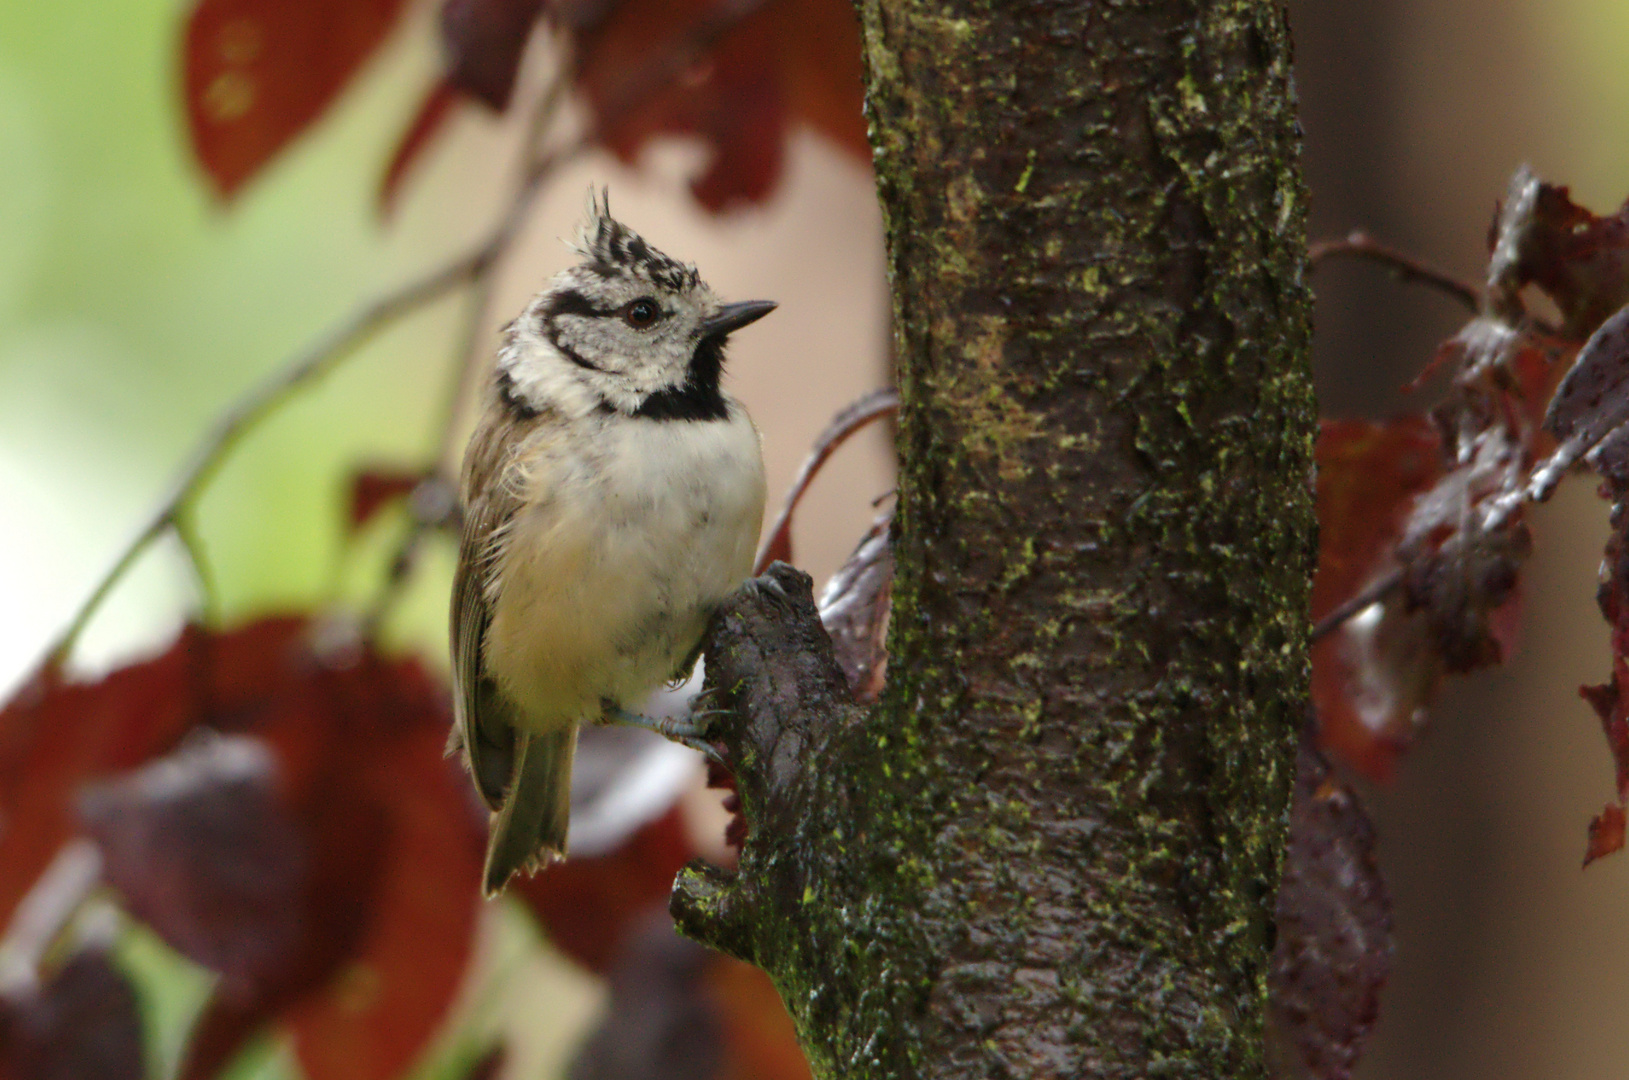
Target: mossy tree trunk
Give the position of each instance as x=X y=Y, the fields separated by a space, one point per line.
x=1051 y=850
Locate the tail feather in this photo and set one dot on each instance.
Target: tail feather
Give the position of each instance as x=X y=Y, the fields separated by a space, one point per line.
x=530 y=830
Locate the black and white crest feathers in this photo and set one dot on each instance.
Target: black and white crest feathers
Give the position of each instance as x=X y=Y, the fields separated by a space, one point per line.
x=610 y=247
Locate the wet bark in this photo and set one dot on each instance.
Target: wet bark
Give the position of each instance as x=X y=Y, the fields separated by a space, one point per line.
x=1051 y=849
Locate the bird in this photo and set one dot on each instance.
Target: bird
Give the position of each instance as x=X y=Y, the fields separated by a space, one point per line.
x=612 y=496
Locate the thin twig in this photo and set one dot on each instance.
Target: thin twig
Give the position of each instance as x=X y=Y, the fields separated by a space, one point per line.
x=853 y=417
x=1360 y=245
x=327 y=353
x=45 y=911
x=1374 y=592
x=226 y=433
x=186 y=531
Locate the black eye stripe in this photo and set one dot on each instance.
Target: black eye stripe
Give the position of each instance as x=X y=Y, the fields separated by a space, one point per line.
x=572 y=302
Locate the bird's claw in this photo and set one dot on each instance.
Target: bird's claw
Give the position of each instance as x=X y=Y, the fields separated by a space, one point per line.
x=766 y=586
x=683 y=730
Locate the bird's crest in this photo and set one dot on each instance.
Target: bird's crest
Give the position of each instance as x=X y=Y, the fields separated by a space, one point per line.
x=611 y=247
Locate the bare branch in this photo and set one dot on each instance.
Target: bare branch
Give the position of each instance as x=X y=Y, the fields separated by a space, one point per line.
x=873 y=406
x=45 y=912
x=1358 y=244
x=186 y=531
x=1373 y=592
x=329 y=351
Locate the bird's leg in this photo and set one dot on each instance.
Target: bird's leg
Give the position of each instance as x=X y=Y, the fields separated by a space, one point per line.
x=684 y=731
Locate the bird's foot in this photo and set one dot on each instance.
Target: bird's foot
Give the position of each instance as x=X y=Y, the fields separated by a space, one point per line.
x=686 y=731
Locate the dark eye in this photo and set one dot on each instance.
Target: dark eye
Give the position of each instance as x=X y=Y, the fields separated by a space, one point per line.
x=641 y=314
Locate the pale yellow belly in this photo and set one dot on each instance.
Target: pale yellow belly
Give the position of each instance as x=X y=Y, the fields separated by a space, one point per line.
x=602 y=596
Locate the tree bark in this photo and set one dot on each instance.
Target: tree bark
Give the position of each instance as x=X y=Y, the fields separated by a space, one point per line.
x=1051 y=849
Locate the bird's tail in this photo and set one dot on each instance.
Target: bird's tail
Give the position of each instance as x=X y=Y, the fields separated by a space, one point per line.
x=530 y=830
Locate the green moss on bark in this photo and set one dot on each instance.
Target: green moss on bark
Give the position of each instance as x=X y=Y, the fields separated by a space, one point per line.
x=1052 y=850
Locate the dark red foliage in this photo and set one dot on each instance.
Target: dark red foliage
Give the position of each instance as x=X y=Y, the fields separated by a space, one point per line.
x=202 y=848
x=256 y=73
x=784 y=62
x=1606 y=831
x=82 y=1023
x=54 y=737
x=760 y=1042
x=1334 y=947
x=682 y=1012
x=372 y=489
x=588 y=904
x=484 y=42
x=1439 y=546
x=1431 y=590
x=1582 y=261
x=319 y=851
x=1369 y=475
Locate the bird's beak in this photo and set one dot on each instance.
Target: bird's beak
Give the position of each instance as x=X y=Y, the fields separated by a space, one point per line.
x=732 y=317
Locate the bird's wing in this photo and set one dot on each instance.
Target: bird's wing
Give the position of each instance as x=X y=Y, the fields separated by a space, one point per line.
x=485 y=721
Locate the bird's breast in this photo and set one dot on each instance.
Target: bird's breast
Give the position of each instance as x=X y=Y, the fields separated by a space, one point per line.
x=628 y=541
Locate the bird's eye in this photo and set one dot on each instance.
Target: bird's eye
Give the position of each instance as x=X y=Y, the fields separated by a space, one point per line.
x=641 y=314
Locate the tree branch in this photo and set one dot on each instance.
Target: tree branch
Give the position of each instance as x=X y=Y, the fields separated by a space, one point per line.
x=331 y=350
x=1358 y=244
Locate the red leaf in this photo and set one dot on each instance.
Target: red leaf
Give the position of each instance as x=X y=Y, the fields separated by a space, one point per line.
x=793 y=60
x=82 y=1024
x=1582 y=261
x=202 y=849
x=1371 y=684
x=259 y=72
x=1607 y=701
x=54 y=737
x=820 y=61
x=760 y=1040
x=680 y=1012
x=371 y=1020
x=360 y=937
x=1334 y=945
x=374 y=489
x=660 y=1020
x=485 y=40
x=1592 y=402
x=432 y=115
x=1606 y=833
x=588 y=904
x=1368 y=476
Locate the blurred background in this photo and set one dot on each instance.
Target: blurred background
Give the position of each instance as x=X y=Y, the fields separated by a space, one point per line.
x=134 y=307
x=1511 y=962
